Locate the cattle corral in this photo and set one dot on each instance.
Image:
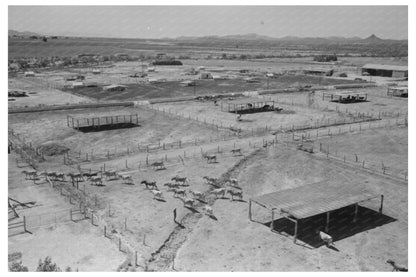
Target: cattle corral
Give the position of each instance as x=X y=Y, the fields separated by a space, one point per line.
x=233 y=140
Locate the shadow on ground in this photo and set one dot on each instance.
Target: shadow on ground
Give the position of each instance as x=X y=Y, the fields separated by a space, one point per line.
x=341 y=225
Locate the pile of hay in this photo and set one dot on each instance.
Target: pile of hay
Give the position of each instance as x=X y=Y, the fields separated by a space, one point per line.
x=53 y=149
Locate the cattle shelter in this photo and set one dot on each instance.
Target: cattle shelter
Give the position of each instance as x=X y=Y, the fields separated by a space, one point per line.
x=383 y=70
x=307 y=201
x=94 y=124
x=248 y=107
x=398 y=91
x=345 y=97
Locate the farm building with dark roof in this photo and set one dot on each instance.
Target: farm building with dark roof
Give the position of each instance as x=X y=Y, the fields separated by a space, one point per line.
x=395 y=71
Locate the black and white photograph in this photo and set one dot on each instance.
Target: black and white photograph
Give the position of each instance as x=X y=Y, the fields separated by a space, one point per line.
x=206 y=137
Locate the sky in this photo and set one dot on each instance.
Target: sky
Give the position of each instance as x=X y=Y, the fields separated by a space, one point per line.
x=388 y=22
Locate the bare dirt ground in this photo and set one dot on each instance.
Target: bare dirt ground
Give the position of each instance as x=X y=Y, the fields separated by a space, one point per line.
x=228 y=241
x=137 y=204
x=383 y=147
x=76 y=245
x=154 y=127
x=39 y=93
x=139 y=90
x=378 y=101
x=291 y=115
x=217 y=245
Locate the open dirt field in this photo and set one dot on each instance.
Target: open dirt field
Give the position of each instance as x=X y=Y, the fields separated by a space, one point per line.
x=388 y=148
x=137 y=204
x=217 y=245
x=228 y=240
x=377 y=101
x=143 y=90
x=154 y=127
x=40 y=94
x=291 y=115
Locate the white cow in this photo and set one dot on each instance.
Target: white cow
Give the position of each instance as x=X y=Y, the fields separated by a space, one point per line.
x=157 y=194
x=208 y=210
x=325 y=238
x=219 y=192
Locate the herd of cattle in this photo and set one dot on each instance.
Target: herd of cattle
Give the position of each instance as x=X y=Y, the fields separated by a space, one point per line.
x=178 y=185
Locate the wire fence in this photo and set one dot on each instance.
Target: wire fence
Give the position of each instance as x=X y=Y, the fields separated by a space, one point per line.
x=386 y=167
x=301 y=101
x=27 y=152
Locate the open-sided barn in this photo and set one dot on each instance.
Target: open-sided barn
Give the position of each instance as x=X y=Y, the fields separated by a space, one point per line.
x=385 y=70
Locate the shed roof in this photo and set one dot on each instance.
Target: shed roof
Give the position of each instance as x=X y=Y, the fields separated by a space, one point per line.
x=385 y=67
x=313 y=199
x=398 y=88
x=347 y=93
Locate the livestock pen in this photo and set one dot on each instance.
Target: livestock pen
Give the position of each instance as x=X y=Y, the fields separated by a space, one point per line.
x=345 y=97
x=244 y=107
x=91 y=124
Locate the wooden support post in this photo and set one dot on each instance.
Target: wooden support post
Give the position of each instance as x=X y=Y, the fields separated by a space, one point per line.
x=249 y=210
x=295 y=236
x=327 y=222
x=272 y=223
x=119 y=244
x=355 y=213
x=381 y=204
x=24 y=223
x=70 y=214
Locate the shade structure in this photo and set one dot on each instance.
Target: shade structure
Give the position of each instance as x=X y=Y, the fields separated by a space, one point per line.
x=314 y=199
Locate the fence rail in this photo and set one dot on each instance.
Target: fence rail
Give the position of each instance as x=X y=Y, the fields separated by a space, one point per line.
x=312 y=139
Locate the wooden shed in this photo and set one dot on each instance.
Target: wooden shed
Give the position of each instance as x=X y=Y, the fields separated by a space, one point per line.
x=398 y=91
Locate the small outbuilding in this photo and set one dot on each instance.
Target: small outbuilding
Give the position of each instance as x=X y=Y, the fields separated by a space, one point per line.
x=29 y=74
x=205 y=75
x=188 y=83
x=398 y=91
x=383 y=70
x=115 y=88
x=77 y=84
x=319 y=71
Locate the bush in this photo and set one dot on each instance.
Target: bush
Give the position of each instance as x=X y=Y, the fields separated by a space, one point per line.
x=325 y=58
x=18 y=267
x=172 y=62
x=47 y=266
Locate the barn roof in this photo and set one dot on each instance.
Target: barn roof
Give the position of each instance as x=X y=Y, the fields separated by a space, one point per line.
x=385 y=67
x=313 y=199
x=398 y=88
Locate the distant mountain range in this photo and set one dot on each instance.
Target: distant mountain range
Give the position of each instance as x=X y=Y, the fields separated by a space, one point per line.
x=307 y=40
x=251 y=37
x=22 y=34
